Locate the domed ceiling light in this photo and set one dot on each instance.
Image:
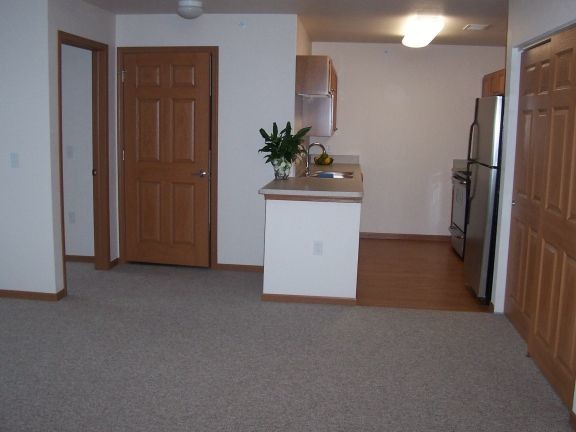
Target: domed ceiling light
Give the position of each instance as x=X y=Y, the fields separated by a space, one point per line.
x=190 y=9
x=422 y=29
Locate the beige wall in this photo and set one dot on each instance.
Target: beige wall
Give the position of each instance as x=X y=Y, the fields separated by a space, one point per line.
x=406 y=113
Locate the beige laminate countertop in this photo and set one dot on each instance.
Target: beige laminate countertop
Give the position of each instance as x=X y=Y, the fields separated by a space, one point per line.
x=313 y=187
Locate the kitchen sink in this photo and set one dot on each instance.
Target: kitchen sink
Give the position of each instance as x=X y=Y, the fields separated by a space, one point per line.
x=333 y=174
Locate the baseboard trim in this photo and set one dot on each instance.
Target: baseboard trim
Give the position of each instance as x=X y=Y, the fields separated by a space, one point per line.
x=391 y=236
x=31 y=295
x=308 y=299
x=573 y=420
x=79 y=258
x=239 y=267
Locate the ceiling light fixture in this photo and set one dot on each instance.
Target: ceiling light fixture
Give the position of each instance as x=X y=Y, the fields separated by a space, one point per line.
x=189 y=8
x=422 y=29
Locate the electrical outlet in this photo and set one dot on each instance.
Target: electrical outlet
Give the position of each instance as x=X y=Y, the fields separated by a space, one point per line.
x=317 y=248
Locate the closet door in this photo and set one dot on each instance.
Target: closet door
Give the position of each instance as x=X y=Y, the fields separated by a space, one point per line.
x=541 y=292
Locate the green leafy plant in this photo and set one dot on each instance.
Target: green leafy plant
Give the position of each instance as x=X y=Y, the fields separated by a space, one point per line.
x=283 y=145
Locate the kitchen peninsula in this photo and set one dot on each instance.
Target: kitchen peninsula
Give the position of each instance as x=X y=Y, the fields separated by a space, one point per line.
x=312 y=236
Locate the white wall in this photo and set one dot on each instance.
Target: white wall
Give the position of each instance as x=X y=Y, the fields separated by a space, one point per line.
x=407 y=113
x=77 y=150
x=26 y=224
x=256 y=87
x=528 y=22
x=31 y=246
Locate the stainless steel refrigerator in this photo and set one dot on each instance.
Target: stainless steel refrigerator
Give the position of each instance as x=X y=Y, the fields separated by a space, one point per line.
x=482 y=214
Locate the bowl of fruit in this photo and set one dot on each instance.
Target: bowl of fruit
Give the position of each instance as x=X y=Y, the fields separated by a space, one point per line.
x=323 y=159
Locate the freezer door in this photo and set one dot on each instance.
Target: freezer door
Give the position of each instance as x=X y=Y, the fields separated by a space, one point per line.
x=479 y=228
x=485 y=138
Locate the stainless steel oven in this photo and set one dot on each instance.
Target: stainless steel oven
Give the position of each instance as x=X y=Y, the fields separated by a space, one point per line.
x=460 y=181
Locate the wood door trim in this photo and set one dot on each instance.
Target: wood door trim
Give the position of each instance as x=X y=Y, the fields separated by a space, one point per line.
x=100 y=161
x=213 y=51
x=392 y=236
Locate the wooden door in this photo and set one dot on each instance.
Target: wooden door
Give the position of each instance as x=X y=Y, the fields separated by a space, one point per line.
x=533 y=117
x=541 y=293
x=166 y=126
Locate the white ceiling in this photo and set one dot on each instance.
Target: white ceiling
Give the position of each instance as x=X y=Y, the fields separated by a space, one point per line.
x=354 y=20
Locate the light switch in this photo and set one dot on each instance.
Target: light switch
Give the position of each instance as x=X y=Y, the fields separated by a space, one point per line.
x=317 y=248
x=69 y=151
x=72 y=217
x=14 y=160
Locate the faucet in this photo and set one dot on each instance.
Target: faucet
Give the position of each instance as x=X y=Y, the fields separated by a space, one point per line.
x=307 y=172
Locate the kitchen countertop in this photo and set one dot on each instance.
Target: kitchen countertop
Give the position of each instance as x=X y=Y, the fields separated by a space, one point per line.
x=313 y=187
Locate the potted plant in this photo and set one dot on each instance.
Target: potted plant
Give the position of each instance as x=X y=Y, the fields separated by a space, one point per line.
x=282 y=148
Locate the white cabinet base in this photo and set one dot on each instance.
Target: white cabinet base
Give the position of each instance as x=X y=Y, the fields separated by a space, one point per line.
x=311 y=249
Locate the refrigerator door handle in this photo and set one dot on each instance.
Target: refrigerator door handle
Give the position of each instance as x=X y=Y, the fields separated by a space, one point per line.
x=472 y=191
x=472 y=141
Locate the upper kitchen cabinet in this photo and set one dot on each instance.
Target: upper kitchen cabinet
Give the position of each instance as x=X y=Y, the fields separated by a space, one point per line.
x=494 y=83
x=317 y=89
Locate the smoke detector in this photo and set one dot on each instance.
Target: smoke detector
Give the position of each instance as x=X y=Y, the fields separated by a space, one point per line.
x=475 y=27
x=190 y=9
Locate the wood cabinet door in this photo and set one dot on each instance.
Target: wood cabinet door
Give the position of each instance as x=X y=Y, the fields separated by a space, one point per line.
x=541 y=292
x=499 y=82
x=487 y=85
x=166 y=131
x=334 y=93
x=494 y=84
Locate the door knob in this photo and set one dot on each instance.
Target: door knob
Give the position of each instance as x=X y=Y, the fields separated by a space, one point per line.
x=513 y=203
x=201 y=173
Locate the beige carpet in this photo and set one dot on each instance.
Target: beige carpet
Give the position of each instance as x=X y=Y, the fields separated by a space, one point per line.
x=157 y=348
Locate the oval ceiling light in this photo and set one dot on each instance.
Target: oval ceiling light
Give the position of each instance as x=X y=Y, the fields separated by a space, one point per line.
x=190 y=9
x=422 y=29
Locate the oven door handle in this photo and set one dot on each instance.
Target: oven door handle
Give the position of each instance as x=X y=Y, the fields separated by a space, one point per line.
x=459 y=180
x=454 y=228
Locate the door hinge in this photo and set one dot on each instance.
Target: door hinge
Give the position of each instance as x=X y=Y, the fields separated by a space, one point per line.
x=123 y=154
x=123 y=75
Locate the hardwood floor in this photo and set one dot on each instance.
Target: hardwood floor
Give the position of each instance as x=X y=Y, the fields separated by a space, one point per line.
x=413 y=274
